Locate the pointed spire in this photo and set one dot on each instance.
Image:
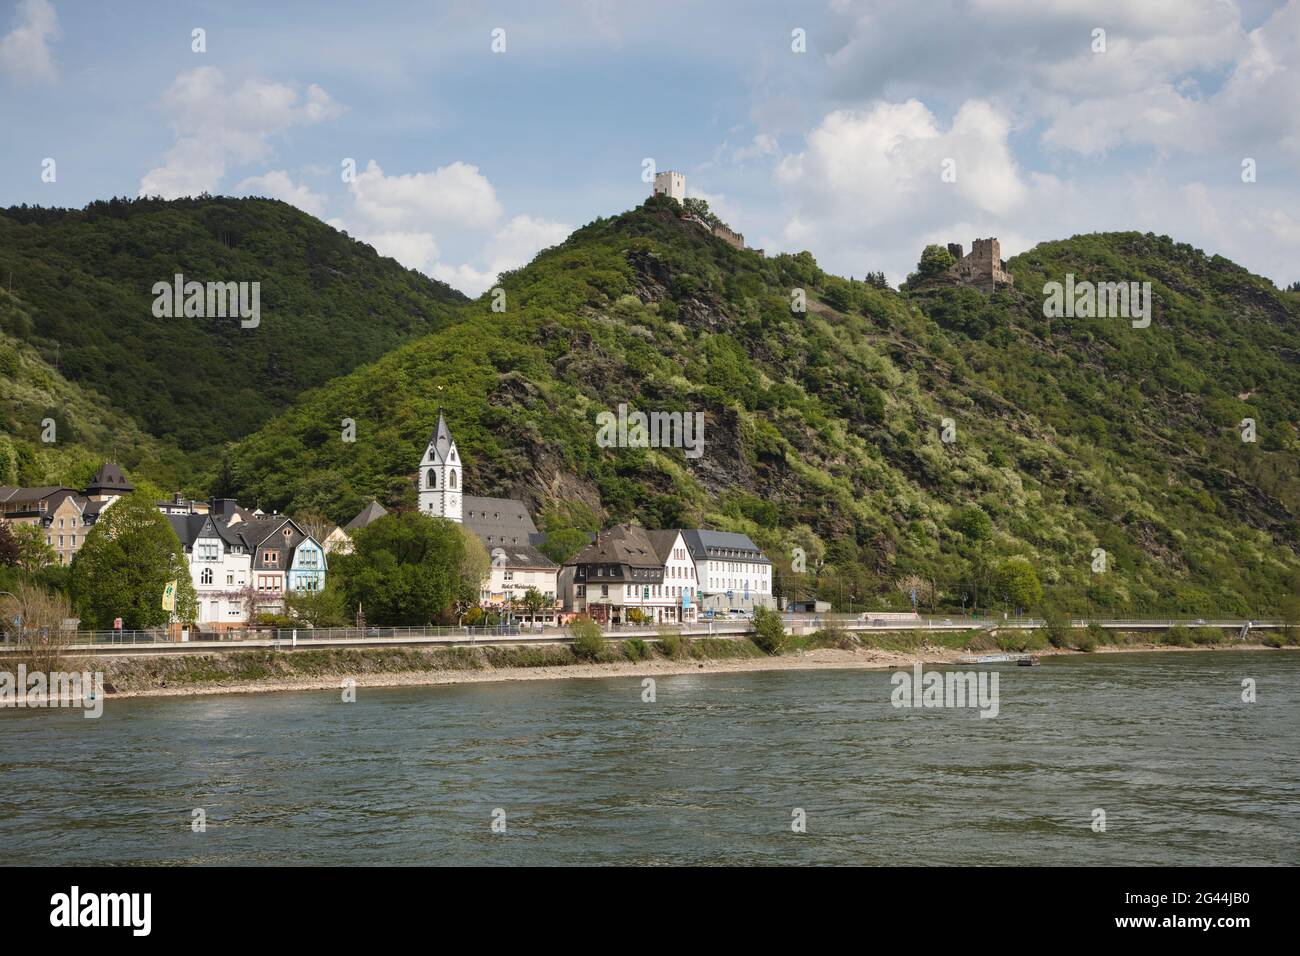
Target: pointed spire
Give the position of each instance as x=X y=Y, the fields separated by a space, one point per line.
x=441 y=441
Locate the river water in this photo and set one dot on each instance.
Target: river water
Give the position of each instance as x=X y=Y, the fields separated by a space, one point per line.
x=712 y=772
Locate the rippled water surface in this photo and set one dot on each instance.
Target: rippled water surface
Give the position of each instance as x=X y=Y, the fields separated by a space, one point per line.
x=585 y=772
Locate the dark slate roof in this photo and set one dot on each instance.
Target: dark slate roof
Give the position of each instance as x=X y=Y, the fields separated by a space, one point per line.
x=56 y=499
x=622 y=544
x=187 y=527
x=497 y=521
x=521 y=556
x=10 y=493
x=663 y=542
x=723 y=545
x=110 y=478
x=440 y=441
x=368 y=515
x=266 y=534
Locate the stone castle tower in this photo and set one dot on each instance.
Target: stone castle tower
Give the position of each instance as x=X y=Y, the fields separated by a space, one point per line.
x=440 y=475
x=984 y=268
x=671 y=184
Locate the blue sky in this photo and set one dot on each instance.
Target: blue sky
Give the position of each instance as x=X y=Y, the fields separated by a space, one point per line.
x=469 y=160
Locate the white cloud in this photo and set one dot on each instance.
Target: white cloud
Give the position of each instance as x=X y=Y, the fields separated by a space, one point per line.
x=889 y=161
x=25 y=52
x=278 y=184
x=218 y=124
x=457 y=194
x=425 y=219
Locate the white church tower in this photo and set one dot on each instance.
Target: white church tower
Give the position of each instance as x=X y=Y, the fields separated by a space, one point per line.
x=440 y=475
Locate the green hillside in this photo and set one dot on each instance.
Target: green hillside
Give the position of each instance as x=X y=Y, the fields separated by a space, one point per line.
x=86 y=428
x=824 y=429
x=328 y=303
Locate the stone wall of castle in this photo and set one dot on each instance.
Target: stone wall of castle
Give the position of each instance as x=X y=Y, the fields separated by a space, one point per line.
x=984 y=268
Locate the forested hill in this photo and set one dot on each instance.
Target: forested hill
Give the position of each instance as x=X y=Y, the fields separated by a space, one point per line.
x=82 y=283
x=824 y=429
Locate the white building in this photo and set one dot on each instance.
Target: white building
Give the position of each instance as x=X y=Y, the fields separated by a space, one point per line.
x=732 y=571
x=220 y=563
x=676 y=599
x=670 y=184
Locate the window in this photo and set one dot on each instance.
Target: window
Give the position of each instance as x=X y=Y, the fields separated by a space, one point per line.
x=230 y=577
x=271 y=557
x=432 y=479
x=206 y=576
x=452 y=481
x=604 y=590
x=510 y=575
x=208 y=552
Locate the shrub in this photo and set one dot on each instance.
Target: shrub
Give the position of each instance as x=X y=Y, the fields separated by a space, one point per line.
x=1022 y=641
x=1206 y=635
x=1101 y=635
x=635 y=649
x=1057 y=630
x=588 y=639
x=1086 y=642
x=769 y=631
x=673 y=643
x=1177 y=636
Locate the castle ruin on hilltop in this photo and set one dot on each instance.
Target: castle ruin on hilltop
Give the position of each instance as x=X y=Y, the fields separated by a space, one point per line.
x=673 y=185
x=984 y=268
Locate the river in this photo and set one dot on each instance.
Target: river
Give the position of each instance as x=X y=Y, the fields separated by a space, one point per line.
x=715 y=771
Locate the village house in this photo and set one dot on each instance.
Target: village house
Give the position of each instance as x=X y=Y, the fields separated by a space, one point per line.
x=243 y=563
x=64 y=514
x=670 y=576
x=733 y=573
x=619 y=572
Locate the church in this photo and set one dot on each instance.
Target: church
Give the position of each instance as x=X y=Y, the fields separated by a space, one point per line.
x=502 y=524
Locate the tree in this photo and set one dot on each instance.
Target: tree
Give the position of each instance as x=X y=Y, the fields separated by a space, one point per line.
x=1290 y=614
x=973 y=524
x=34 y=552
x=563 y=544
x=923 y=588
x=406 y=569
x=127 y=559
x=588 y=639
x=10 y=552
x=39 y=635
x=769 y=630
x=534 y=602
x=1017 y=584
x=934 y=260
x=475 y=568
x=323 y=608
x=314 y=523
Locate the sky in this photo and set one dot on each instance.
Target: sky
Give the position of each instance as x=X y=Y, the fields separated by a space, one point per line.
x=462 y=138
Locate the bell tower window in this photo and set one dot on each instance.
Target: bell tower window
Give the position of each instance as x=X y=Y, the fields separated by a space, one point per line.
x=433 y=478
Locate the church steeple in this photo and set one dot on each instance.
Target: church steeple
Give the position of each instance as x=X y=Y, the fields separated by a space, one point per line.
x=440 y=475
